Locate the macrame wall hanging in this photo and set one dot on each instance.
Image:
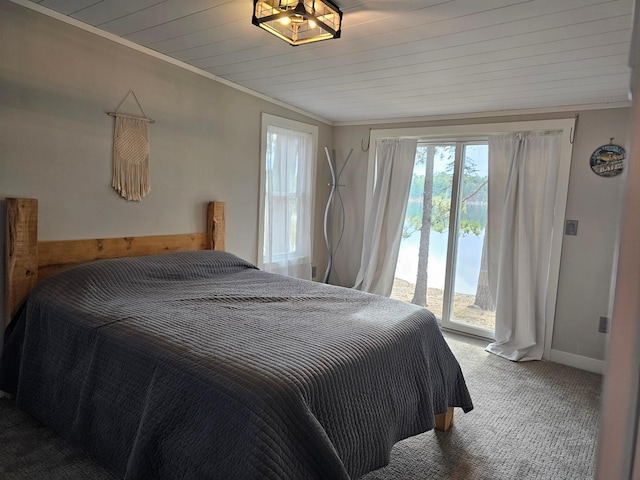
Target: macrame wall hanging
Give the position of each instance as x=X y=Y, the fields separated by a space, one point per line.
x=131 y=153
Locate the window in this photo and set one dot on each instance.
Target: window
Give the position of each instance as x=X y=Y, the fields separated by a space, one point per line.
x=438 y=165
x=287 y=196
x=446 y=268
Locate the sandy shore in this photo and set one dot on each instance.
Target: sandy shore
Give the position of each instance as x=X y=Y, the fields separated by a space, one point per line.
x=464 y=310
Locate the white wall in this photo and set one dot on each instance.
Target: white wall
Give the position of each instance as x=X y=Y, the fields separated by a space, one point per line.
x=587 y=262
x=587 y=259
x=618 y=441
x=56 y=84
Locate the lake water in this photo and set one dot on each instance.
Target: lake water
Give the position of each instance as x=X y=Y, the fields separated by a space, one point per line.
x=467 y=268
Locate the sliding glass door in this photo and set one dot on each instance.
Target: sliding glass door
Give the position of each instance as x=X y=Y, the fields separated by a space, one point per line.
x=442 y=262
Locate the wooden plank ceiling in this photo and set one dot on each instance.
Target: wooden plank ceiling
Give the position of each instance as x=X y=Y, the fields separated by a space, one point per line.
x=396 y=58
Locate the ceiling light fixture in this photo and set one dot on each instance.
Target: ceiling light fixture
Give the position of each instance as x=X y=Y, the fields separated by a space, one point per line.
x=298 y=21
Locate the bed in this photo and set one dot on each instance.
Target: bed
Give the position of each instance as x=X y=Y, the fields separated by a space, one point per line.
x=181 y=360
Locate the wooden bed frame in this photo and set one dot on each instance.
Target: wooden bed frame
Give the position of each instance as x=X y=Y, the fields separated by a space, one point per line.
x=28 y=260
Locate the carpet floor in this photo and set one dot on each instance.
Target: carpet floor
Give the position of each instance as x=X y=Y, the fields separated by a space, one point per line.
x=533 y=420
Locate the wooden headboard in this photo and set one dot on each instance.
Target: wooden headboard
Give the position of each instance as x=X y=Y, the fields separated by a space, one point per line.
x=27 y=260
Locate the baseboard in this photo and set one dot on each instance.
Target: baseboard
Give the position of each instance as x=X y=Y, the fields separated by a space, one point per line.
x=577 y=361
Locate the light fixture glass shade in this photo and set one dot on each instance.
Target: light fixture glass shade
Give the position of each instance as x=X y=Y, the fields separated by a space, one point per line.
x=298 y=21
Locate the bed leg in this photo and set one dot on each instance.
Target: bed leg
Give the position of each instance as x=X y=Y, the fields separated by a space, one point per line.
x=444 y=420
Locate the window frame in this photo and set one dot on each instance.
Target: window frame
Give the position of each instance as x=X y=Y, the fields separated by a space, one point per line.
x=275 y=121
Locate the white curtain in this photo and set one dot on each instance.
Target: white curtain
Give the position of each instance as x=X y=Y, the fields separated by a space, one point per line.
x=288 y=203
x=383 y=227
x=523 y=172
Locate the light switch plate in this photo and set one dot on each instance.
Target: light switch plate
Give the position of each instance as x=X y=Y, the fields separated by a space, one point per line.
x=571 y=227
x=603 y=325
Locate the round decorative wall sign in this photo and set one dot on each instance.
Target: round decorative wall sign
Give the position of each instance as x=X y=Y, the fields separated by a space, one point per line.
x=608 y=160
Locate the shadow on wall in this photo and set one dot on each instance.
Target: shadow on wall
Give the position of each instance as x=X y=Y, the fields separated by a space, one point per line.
x=86 y=108
x=32 y=97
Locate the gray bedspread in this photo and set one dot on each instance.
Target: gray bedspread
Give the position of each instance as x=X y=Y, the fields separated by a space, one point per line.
x=197 y=365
